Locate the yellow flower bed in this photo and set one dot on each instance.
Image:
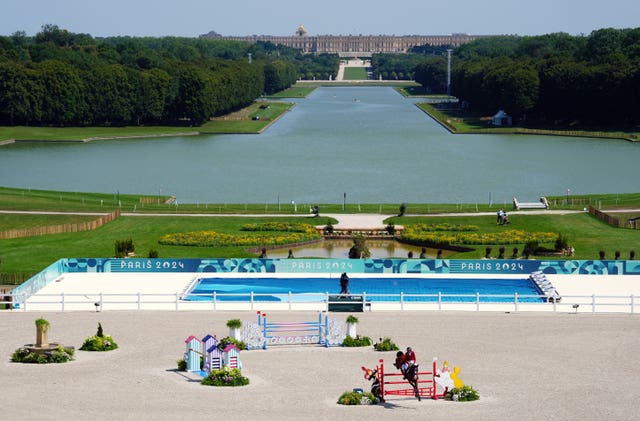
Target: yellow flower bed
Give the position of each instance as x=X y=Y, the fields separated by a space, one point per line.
x=302 y=233
x=469 y=238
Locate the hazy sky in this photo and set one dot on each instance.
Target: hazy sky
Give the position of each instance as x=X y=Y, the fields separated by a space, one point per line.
x=191 y=18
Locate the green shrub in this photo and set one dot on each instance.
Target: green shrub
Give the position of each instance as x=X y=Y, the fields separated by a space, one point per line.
x=385 y=345
x=99 y=342
x=124 y=247
x=234 y=323
x=357 y=341
x=59 y=355
x=225 y=377
x=357 y=398
x=222 y=344
x=462 y=394
x=182 y=365
x=352 y=319
x=562 y=243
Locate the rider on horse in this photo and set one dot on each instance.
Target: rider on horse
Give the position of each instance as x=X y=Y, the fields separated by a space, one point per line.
x=405 y=361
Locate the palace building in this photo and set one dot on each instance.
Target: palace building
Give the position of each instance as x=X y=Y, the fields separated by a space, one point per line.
x=352 y=45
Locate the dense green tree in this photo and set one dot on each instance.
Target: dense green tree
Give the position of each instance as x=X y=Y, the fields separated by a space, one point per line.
x=432 y=74
x=62 y=100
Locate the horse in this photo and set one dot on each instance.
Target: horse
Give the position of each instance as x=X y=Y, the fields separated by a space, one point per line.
x=411 y=375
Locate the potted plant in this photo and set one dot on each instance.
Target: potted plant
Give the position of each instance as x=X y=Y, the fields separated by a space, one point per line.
x=42 y=327
x=234 y=326
x=352 y=321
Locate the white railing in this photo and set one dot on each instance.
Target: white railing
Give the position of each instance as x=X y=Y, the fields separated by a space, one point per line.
x=320 y=302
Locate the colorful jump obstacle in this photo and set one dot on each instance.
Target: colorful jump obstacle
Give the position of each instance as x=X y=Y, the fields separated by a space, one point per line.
x=213 y=357
x=388 y=384
x=323 y=331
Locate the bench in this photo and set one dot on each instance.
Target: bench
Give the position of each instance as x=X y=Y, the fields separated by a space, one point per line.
x=542 y=204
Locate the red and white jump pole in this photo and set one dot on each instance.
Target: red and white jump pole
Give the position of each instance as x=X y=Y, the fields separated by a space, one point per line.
x=426 y=391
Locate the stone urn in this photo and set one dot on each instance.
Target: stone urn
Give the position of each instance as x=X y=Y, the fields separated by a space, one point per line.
x=42 y=329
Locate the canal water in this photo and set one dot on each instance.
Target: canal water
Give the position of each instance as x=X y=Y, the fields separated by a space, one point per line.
x=368 y=144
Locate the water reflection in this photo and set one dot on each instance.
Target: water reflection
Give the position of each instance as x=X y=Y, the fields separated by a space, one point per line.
x=339 y=249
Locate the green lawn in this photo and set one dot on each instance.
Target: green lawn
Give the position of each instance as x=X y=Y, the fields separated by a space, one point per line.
x=465 y=121
x=239 y=122
x=295 y=91
x=31 y=255
x=355 y=73
x=585 y=233
x=19 y=221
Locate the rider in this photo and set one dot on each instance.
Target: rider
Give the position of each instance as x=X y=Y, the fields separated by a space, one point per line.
x=409 y=360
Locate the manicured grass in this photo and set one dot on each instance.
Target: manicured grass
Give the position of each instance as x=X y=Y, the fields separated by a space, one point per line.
x=82 y=133
x=45 y=200
x=252 y=119
x=355 y=73
x=296 y=91
x=418 y=92
x=239 y=122
x=19 y=221
x=464 y=121
x=587 y=234
x=35 y=253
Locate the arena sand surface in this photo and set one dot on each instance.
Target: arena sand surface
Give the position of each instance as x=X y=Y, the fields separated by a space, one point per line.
x=526 y=366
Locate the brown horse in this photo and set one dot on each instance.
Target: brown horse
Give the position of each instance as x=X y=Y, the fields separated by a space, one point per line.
x=410 y=375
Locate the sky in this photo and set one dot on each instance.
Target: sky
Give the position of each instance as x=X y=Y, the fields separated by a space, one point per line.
x=190 y=18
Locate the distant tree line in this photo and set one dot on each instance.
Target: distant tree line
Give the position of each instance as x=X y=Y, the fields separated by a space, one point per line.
x=557 y=79
x=554 y=79
x=64 y=79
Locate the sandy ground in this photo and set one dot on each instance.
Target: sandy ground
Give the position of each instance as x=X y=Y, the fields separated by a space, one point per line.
x=526 y=366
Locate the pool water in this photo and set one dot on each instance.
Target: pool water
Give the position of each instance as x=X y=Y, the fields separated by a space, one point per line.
x=377 y=289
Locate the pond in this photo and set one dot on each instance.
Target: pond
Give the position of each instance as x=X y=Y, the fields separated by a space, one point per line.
x=339 y=249
x=365 y=144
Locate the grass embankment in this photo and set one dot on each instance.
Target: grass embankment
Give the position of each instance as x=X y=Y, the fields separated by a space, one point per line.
x=467 y=122
x=239 y=122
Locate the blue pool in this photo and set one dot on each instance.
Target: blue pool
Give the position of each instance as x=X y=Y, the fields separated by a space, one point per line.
x=377 y=289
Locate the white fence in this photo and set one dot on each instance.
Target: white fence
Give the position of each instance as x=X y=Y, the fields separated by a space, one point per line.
x=319 y=302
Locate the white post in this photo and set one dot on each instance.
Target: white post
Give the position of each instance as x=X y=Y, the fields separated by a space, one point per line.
x=215 y=300
x=100 y=301
x=62 y=301
x=176 y=301
x=515 y=301
x=632 y=304
x=477 y=301
x=138 y=300
x=401 y=301
x=251 y=300
x=593 y=303
x=289 y=300
x=439 y=300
